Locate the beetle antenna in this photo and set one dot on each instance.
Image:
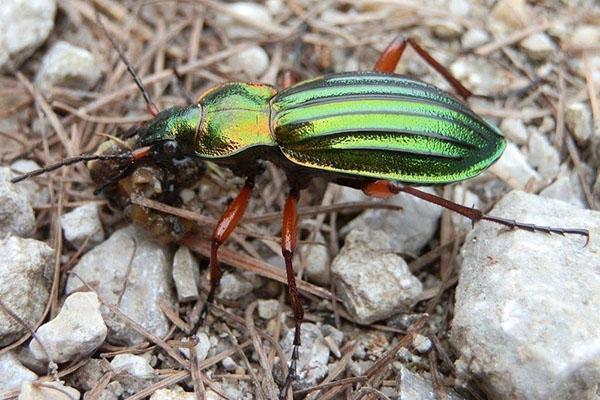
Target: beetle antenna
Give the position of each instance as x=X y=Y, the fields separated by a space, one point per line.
x=152 y=108
x=72 y=160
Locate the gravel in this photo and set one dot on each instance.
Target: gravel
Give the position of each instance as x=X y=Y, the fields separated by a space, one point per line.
x=16 y=214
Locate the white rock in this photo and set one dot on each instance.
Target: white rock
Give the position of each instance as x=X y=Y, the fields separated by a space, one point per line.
x=314 y=354
x=82 y=222
x=585 y=36
x=459 y=7
x=16 y=214
x=543 y=156
x=25 y=280
x=13 y=373
x=515 y=130
x=26 y=25
x=317 y=260
x=568 y=189
x=373 y=283
x=475 y=37
x=513 y=169
x=69 y=66
x=254 y=12
x=578 y=119
x=512 y=14
x=138 y=284
x=234 y=285
x=49 y=391
x=179 y=394
x=202 y=347
x=133 y=365
x=538 y=46
x=411 y=386
x=409 y=228
x=252 y=62
x=186 y=275
x=38 y=194
x=267 y=309
x=467 y=198
x=228 y=364
x=77 y=330
x=525 y=321
x=445 y=29
x=421 y=343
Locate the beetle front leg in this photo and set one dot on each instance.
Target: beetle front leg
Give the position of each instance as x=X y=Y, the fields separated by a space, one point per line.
x=389 y=59
x=227 y=223
x=288 y=246
x=386 y=189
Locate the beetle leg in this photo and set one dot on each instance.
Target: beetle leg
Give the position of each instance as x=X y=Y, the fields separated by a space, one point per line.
x=389 y=59
x=385 y=188
x=227 y=223
x=288 y=246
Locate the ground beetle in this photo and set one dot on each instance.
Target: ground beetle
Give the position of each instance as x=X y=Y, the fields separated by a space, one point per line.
x=375 y=131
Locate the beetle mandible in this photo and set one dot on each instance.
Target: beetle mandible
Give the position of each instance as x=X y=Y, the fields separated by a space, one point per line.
x=375 y=131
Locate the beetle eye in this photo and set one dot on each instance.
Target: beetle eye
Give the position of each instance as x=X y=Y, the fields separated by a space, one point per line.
x=170 y=148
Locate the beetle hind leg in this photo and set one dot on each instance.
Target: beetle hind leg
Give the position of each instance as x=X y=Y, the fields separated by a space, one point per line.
x=384 y=188
x=288 y=246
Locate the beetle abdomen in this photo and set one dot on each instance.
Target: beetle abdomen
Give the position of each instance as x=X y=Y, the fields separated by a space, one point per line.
x=382 y=126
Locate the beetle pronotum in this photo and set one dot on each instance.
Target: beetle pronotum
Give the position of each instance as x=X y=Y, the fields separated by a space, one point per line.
x=375 y=131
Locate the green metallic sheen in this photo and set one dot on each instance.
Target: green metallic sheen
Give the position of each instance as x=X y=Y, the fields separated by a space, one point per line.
x=382 y=126
x=358 y=125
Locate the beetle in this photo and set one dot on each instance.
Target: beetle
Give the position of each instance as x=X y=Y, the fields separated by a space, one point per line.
x=375 y=131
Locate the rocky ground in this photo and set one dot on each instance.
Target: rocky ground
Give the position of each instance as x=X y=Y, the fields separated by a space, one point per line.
x=402 y=300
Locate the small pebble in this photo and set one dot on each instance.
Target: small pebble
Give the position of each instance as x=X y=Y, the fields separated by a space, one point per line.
x=267 y=309
x=82 y=223
x=512 y=168
x=538 y=46
x=512 y=14
x=447 y=30
x=69 y=66
x=317 y=260
x=252 y=62
x=568 y=189
x=27 y=24
x=51 y=390
x=16 y=214
x=186 y=275
x=37 y=193
x=411 y=386
x=13 y=373
x=372 y=283
x=234 y=285
x=202 y=348
x=585 y=36
x=77 y=330
x=235 y=28
x=25 y=280
x=515 y=130
x=229 y=364
x=543 y=156
x=475 y=37
x=421 y=343
x=133 y=365
x=179 y=394
x=578 y=119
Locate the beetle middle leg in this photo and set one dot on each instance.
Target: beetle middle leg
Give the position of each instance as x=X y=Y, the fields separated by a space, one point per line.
x=288 y=246
x=389 y=59
x=227 y=223
x=384 y=189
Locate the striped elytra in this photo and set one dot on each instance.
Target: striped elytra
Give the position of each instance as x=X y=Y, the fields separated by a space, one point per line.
x=382 y=126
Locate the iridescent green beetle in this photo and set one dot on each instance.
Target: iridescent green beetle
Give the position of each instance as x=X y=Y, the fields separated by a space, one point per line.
x=375 y=131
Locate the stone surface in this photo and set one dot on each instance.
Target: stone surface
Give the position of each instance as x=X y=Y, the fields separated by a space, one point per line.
x=132 y=272
x=312 y=365
x=475 y=37
x=252 y=62
x=512 y=168
x=26 y=25
x=510 y=14
x=82 y=222
x=235 y=285
x=578 y=119
x=409 y=228
x=566 y=188
x=373 y=283
x=69 y=66
x=13 y=373
x=538 y=46
x=585 y=36
x=16 y=214
x=525 y=322
x=25 y=280
x=543 y=156
x=186 y=275
x=421 y=343
x=316 y=259
x=38 y=194
x=514 y=129
x=202 y=348
x=247 y=11
x=267 y=309
x=77 y=330
x=461 y=224
x=445 y=29
x=133 y=365
x=50 y=391
x=410 y=386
